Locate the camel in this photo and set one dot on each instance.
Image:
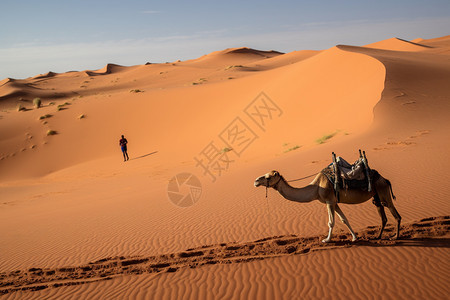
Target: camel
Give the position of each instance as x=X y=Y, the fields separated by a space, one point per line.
x=321 y=189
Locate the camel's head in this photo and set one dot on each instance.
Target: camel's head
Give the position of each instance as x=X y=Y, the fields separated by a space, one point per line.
x=268 y=180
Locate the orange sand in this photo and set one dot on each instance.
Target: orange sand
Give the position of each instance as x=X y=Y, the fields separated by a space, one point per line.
x=69 y=199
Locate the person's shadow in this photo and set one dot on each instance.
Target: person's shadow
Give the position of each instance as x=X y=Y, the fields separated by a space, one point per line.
x=145 y=155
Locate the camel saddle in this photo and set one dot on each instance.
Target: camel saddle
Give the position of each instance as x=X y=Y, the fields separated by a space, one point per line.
x=351 y=176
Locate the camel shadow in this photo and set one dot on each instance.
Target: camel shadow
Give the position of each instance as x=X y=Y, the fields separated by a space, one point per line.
x=412 y=242
x=425 y=242
x=145 y=155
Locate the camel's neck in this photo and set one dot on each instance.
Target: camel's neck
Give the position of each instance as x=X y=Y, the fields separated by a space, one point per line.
x=304 y=194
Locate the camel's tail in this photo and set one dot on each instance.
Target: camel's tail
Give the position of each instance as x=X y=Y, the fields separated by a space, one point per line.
x=390 y=188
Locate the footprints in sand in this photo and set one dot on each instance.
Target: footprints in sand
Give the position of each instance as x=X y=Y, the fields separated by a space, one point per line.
x=419 y=133
x=410 y=141
x=401 y=95
x=27 y=143
x=409 y=102
x=420 y=233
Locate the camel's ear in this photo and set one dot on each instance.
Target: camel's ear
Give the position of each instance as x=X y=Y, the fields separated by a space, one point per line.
x=275 y=173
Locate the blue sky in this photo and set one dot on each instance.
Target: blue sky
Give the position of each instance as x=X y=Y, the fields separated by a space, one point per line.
x=61 y=35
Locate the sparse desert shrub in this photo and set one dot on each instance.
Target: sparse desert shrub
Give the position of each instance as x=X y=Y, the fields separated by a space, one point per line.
x=226 y=149
x=51 y=132
x=20 y=107
x=51 y=103
x=61 y=106
x=82 y=116
x=136 y=91
x=199 y=81
x=326 y=137
x=45 y=116
x=234 y=66
x=37 y=102
x=292 y=148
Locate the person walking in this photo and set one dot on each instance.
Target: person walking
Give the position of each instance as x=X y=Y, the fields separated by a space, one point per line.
x=123 y=145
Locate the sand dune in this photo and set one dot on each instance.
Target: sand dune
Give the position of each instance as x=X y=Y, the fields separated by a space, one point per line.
x=68 y=199
x=108 y=69
x=292 y=87
x=6 y=80
x=46 y=75
x=285 y=59
x=397 y=44
x=443 y=41
x=232 y=56
x=426 y=231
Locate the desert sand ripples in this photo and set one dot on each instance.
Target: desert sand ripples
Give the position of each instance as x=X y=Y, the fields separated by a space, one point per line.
x=356 y=273
x=260 y=268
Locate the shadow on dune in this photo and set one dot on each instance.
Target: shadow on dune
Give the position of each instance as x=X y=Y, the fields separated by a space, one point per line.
x=425 y=242
x=402 y=242
x=145 y=155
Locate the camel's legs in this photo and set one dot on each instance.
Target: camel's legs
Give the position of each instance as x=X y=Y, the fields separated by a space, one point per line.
x=397 y=217
x=344 y=220
x=330 y=208
x=386 y=200
x=383 y=219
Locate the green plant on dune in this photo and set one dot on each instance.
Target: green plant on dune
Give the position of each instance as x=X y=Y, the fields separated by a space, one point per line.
x=226 y=149
x=45 y=116
x=51 y=132
x=234 y=66
x=325 y=138
x=292 y=148
x=61 y=106
x=20 y=107
x=37 y=102
x=136 y=91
